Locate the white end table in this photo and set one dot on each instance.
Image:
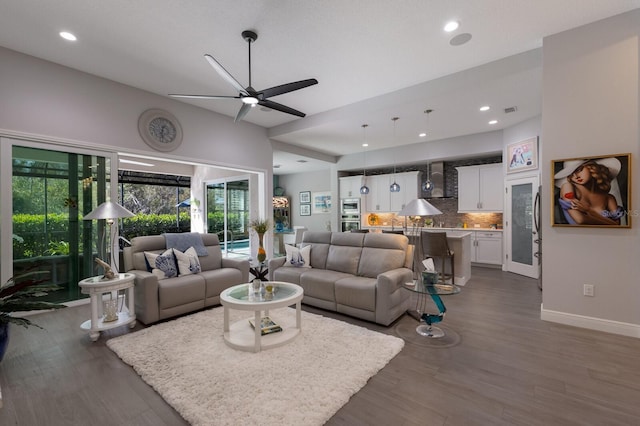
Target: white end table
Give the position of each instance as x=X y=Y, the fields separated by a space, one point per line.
x=95 y=287
x=240 y=335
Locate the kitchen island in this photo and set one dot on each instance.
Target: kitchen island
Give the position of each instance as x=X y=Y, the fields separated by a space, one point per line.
x=459 y=242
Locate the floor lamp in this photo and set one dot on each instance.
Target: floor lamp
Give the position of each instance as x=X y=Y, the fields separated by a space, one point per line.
x=110 y=212
x=418 y=208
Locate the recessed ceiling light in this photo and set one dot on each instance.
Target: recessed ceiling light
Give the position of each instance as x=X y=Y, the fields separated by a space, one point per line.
x=68 y=36
x=493 y=122
x=451 y=26
x=422 y=135
x=485 y=108
x=365 y=145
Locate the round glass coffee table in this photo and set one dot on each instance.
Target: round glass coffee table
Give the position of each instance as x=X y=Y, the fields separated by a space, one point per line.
x=420 y=314
x=241 y=334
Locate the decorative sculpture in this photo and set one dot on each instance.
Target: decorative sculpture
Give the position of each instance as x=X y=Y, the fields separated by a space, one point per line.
x=108 y=272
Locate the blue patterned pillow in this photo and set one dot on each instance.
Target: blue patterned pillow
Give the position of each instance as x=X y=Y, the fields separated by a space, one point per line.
x=162 y=265
x=299 y=258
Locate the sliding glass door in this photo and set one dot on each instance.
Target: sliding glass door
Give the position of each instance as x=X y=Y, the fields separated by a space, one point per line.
x=228 y=214
x=51 y=192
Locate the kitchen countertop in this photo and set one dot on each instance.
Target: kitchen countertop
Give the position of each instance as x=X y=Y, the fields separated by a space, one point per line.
x=429 y=228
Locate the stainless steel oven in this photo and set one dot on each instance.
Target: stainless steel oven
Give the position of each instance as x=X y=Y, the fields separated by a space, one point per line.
x=350 y=222
x=350 y=206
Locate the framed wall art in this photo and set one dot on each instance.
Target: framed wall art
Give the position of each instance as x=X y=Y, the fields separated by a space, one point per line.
x=305 y=209
x=522 y=155
x=592 y=191
x=321 y=202
x=305 y=197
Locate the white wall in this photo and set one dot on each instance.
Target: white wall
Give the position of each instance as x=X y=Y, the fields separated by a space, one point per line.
x=590 y=108
x=42 y=98
x=320 y=181
x=476 y=145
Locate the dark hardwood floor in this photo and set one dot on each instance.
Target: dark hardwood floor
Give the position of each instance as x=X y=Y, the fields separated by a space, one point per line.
x=499 y=364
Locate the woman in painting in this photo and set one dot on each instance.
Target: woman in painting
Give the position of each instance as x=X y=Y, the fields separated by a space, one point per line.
x=585 y=196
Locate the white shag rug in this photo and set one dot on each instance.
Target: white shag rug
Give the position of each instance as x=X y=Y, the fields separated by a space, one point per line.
x=301 y=383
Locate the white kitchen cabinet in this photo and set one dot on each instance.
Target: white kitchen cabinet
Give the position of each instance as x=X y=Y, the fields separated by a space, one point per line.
x=379 y=197
x=480 y=188
x=409 y=190
x=350 y=186
x=487 y=247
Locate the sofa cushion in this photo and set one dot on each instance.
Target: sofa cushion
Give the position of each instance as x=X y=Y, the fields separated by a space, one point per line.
x=298 y=257
x=289 y=275
x=218 y=280
x=213 y=260
x=162 y=265
x=319 y=242
x=319 y=283
x=188 y=262
x=357 y=292
x=382 y=252
x=344 y=259
x=180 y=291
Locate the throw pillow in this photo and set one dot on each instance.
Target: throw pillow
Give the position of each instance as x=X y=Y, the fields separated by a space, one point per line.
x=162 y=265
x=188 y=262
x=299 y=258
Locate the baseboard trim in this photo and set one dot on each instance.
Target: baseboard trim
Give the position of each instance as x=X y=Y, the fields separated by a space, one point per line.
x=591 y=323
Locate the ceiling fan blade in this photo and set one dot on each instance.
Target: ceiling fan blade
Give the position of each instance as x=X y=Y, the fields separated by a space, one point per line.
x=289 y=87
x=176 y=95
x=244 y=109
x=281 y=108
x=225 y=74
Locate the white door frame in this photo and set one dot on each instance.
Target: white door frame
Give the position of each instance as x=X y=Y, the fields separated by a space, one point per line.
x=532 y=270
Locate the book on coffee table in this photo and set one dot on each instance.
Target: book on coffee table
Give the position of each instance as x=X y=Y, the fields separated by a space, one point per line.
x=267 y=326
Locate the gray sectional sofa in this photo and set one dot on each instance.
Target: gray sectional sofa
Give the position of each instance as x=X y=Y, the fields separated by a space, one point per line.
x=360 y=275
x=158 y=299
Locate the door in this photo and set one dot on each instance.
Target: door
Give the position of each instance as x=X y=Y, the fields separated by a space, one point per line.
x=520 y=230
x=50 y=193
x=227 y=204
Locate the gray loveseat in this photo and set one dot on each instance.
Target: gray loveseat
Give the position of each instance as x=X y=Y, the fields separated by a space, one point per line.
x=361 y=275
x=160 y=299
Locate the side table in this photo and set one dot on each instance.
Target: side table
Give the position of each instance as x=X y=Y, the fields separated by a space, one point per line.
x=420 y=313
x=95 y=287
x=259 y=270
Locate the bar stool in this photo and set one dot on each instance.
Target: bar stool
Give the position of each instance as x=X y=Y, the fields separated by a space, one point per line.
x=434 y=245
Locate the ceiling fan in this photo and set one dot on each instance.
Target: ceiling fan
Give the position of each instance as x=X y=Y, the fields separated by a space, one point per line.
x=249 y=96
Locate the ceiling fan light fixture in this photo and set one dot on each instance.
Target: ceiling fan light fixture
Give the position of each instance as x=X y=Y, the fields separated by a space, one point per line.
x=451 y=26
x=250 y=100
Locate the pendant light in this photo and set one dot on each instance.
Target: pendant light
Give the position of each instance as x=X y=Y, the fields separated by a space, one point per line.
x=427 y=186
x=394 y=186
x=364 y=189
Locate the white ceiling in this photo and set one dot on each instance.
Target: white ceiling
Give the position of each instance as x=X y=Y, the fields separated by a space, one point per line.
x=373 y=59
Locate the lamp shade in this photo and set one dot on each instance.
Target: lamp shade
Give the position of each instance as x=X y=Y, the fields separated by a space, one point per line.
x=419 y=207
x=108 y=210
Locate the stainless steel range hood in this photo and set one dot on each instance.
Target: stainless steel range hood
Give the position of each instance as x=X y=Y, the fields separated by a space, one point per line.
x=436 y=175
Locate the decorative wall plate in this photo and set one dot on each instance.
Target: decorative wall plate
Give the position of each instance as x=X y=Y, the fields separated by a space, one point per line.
x=160 y=130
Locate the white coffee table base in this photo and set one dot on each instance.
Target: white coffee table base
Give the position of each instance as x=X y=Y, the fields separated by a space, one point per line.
x=241 y=336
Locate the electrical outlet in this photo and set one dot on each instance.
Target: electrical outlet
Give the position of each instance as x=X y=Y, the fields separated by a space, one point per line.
x=589 y=290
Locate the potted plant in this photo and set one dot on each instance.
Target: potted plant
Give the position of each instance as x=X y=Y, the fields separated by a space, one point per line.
x=18 y=295
x=260 y=226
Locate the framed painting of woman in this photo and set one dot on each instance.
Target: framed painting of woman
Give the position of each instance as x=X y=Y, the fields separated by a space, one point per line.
x=592 y=191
